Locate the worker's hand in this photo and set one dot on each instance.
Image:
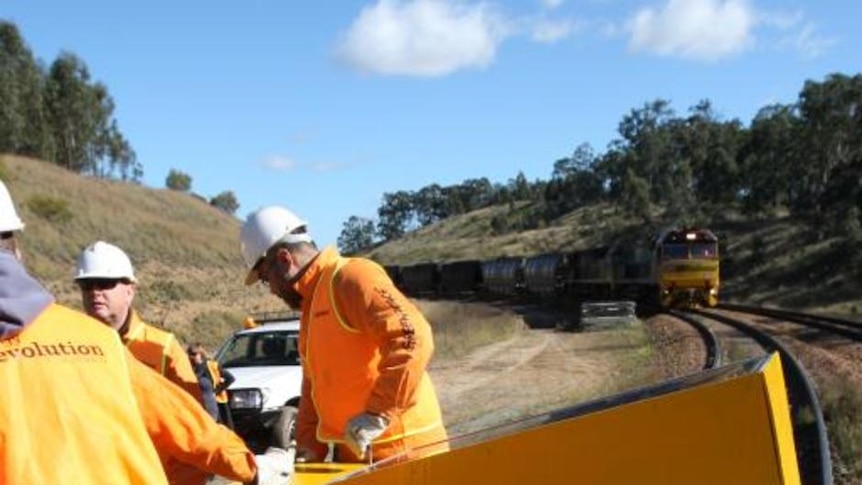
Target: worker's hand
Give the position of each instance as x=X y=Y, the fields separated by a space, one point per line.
x=275 y=466
x=307 y=455
x=362 y=430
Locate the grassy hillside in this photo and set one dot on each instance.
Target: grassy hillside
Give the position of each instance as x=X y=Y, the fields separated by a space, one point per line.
x=774 y=261
x=185 y=252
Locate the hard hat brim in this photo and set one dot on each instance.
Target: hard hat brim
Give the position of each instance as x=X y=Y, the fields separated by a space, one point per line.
x=252 y=276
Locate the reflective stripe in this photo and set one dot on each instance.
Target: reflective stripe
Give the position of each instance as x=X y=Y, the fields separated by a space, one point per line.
x=168 y=340
x=341 y=321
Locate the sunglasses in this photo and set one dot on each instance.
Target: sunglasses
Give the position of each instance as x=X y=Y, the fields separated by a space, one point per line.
x=98 y=284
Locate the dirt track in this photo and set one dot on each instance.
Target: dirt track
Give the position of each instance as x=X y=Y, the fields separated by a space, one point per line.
x=536 y=371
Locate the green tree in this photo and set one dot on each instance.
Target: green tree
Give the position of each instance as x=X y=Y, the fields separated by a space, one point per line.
x=83 y=128
x=832 y=136
x=711 y=147
x=23 y=124
x=179 y=181
x=356 y=235
x=225 y=201
x=430 y=205
x=395 y=215
x=767 y=159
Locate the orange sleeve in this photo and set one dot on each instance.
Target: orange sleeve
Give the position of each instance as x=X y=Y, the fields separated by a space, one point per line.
x=306 y=427
x=180 y=428
x=369 y=301
x=179 y=370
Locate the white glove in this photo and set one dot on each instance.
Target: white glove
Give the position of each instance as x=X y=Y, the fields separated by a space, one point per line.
x=362 y=430
x=275 y=466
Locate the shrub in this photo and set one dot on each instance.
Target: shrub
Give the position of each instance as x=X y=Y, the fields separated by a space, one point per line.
x=52 y=209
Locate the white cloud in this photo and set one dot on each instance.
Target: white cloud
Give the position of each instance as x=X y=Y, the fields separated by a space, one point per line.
x=810 y=43
x=694 y=29
x=551 y=4
x=547 y=31
x=422 y=37
x=279 y=163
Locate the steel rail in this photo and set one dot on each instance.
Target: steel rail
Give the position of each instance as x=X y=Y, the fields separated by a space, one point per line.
x=817 y=471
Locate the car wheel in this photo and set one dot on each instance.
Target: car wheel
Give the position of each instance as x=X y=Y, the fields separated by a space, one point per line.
x=284 y=431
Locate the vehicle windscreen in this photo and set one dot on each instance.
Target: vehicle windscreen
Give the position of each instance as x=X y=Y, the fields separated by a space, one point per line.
x=675 y=251
x=260 y=349
x=705 y=250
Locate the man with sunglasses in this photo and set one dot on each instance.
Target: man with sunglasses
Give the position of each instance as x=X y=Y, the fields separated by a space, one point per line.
x=105 y=275
x=77 y=407
x=364 y=346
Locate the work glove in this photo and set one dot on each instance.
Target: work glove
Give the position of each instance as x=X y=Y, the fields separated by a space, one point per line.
x=362 y=430
x=275 y=466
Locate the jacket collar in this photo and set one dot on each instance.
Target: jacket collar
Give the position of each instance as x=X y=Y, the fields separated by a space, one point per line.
x=22 y=298
x=306 y=283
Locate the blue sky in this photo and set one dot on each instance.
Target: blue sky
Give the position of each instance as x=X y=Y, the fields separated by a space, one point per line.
x=325 y=106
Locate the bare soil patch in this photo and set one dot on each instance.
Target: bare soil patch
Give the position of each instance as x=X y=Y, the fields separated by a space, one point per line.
x=535 y=371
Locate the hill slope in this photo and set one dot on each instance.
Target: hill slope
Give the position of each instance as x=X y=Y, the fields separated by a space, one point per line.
x=187 y=258
x=185 y=252
x=778 y=261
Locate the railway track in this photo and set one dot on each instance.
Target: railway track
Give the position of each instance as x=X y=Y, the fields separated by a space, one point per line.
x=810 y=430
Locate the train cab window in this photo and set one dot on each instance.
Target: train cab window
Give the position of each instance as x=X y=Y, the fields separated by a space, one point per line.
x=703 y=251
x=674 y=251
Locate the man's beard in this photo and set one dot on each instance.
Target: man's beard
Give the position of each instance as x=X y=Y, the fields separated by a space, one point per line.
x=292 y=298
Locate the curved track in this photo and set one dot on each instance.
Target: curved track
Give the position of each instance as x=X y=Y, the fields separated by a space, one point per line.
x=812 y=442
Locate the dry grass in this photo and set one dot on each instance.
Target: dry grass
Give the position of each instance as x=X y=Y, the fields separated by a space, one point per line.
x=185 y=252
x=187 y=258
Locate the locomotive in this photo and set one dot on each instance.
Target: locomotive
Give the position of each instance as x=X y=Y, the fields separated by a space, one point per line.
x=675 y=268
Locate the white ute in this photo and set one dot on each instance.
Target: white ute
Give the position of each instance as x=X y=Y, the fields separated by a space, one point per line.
x=264 y=398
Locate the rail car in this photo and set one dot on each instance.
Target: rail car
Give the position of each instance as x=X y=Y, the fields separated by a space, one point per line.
x=678 y=267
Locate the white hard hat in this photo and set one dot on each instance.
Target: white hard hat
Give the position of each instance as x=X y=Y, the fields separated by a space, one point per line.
x=264 y=228
x=9 y=220
x=103 y=260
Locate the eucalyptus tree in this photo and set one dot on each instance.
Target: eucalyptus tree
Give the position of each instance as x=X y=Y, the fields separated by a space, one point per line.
x=831 y=114
x=225 y=201
x=357 y=235
x=80 y=114
x=710 y=148
x=395 y=215
x=769 y=158
x=429 y=204
x=23 y=126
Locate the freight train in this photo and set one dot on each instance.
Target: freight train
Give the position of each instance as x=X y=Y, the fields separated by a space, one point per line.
x=675 y=268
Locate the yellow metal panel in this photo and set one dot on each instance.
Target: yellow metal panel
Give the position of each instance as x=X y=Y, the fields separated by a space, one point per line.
x=321 y=473
x=780 y=409
x=715 y=433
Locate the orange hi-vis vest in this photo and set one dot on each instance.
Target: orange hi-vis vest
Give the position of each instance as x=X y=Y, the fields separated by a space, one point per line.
x=160 y=351
x=341 y=364
x=215 y=374
x=68 y=413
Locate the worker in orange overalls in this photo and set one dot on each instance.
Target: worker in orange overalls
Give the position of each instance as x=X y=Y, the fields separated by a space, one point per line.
x=105 y=275
x=75 y=406
x=106 y=278
x=364 y=346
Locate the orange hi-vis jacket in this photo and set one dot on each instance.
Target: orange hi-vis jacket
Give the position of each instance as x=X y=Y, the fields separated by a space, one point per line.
x=77 y=407
x=364 y=348
x=160 y=351
x=68 y=412
x=215 y=374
